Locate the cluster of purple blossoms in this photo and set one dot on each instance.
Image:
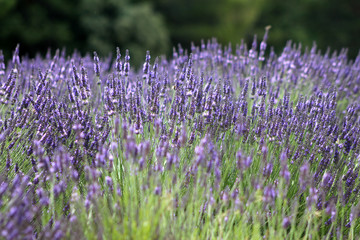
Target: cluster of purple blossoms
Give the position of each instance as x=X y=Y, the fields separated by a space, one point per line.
x=72 y=127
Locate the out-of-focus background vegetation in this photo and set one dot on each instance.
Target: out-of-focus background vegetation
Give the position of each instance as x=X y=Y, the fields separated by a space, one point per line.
x=157 y=25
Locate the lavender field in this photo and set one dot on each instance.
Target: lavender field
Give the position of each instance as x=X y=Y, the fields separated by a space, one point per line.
x=216 y=142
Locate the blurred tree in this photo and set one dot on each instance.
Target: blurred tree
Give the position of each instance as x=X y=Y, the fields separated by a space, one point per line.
x=89 y=25
x=193 y=20
x=6 y=6
x=111 y=23
x=38 y=25
x=328 y=22
x=86 y=25
x=238 y=18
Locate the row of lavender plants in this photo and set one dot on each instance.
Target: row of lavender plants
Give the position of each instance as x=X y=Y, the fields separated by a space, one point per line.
x=214 y=143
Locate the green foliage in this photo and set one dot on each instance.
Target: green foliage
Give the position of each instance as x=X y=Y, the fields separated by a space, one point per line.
x=39 y=25
x=87 y=25
x=330 y=23
x=114 y=23
x=238 y=19
x=191 y=20
x=6 y=5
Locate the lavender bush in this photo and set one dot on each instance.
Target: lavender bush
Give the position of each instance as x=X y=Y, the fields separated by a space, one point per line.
x=213 y=143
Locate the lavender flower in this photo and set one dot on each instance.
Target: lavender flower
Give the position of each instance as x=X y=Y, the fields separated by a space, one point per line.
x=96 y=65
x=184 y=128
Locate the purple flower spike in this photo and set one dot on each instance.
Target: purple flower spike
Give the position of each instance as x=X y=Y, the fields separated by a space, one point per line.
x=109 y=182
x=157 y=190
x=286 y=222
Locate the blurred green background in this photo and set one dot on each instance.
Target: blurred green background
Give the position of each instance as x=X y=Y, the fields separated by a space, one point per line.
x=158 y=25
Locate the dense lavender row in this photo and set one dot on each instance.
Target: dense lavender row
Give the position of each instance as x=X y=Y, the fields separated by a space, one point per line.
x=211 y=143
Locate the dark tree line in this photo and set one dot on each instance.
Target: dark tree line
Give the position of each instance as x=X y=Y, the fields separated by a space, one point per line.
x=157 y=25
